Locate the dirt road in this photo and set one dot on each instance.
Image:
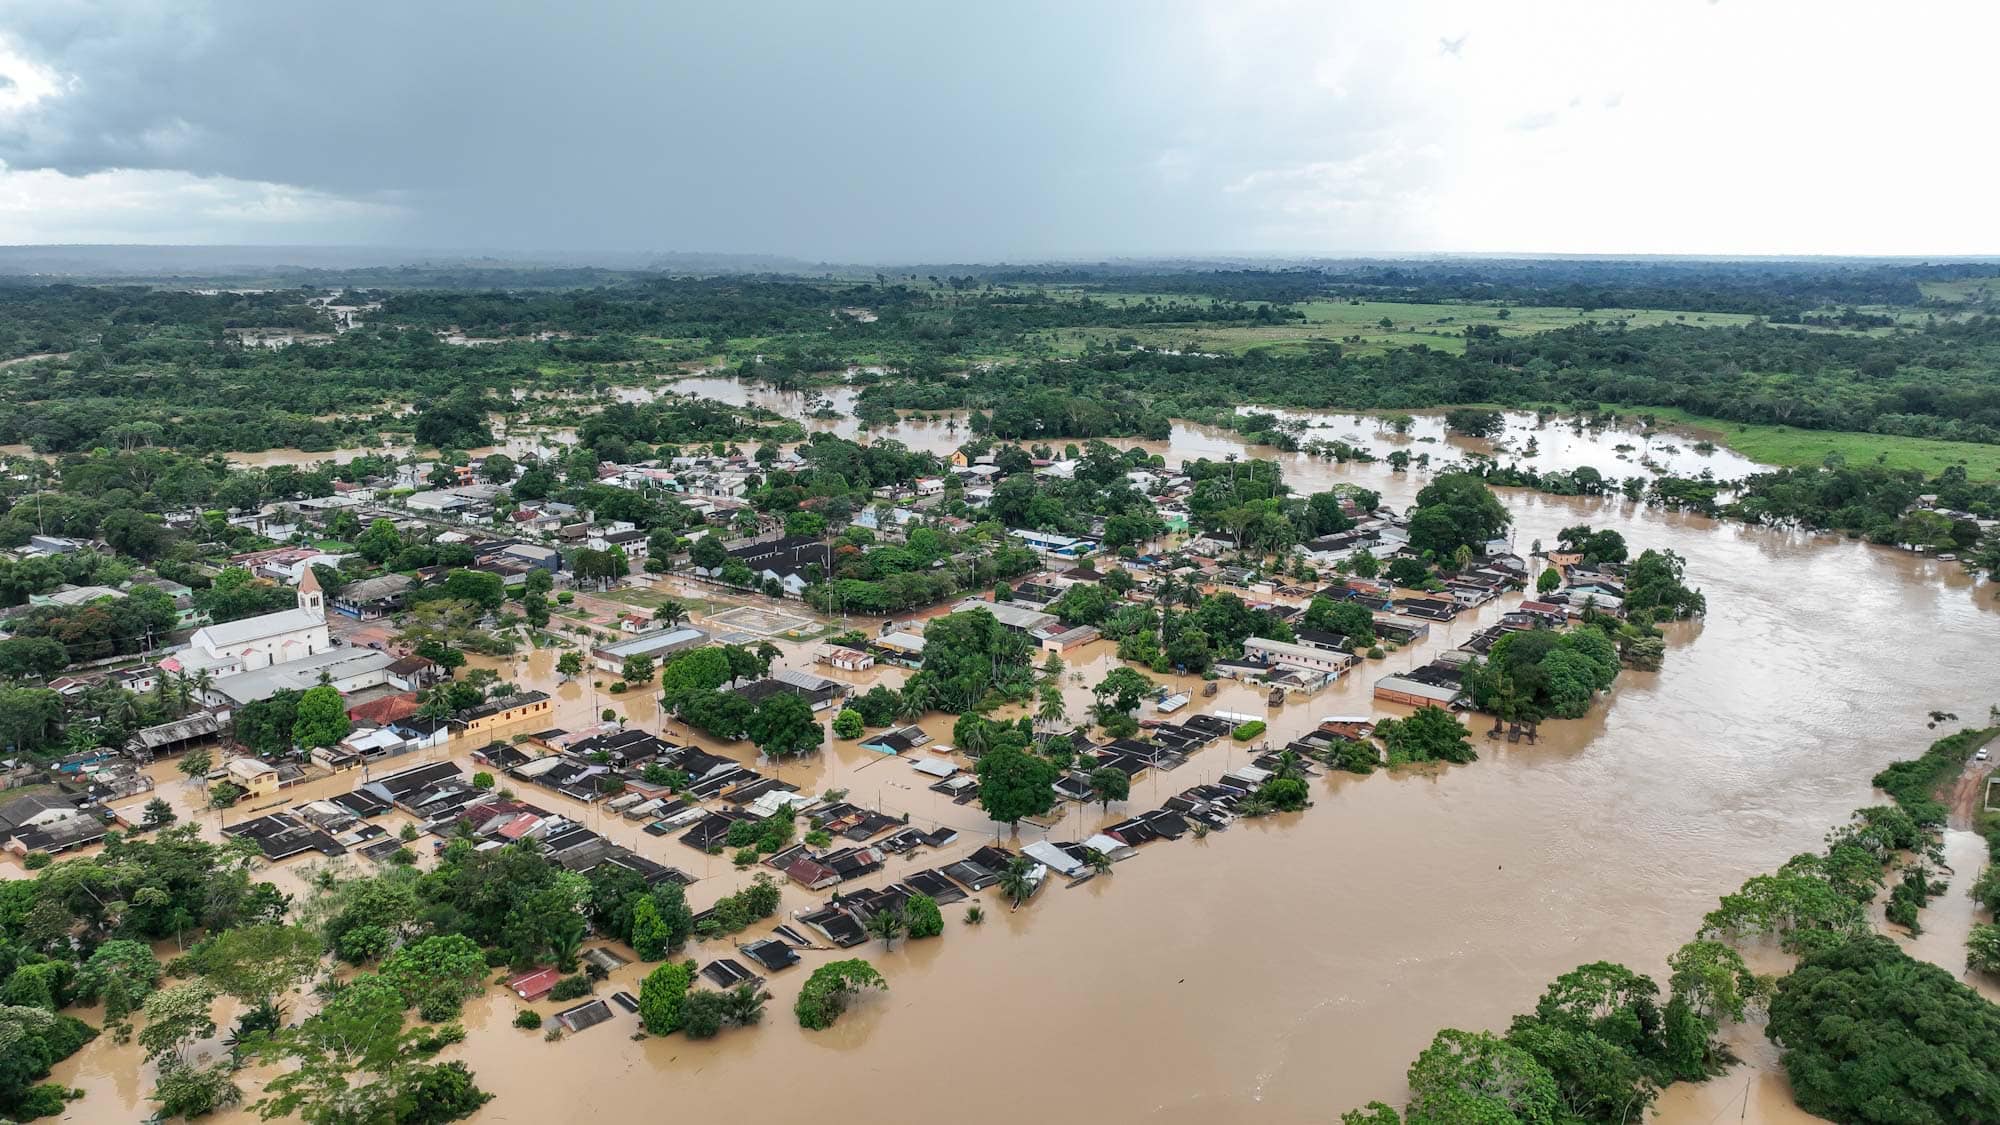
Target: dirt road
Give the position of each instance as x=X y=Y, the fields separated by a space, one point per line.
x=1968 y=793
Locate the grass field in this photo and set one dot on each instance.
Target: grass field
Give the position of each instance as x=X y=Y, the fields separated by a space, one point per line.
x=1788 y=445
x=1969 y=290
x=1358 y=328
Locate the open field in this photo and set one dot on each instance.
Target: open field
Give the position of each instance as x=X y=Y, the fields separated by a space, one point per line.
x=1789 y=445
x=1358 y=326
x=1970 y=290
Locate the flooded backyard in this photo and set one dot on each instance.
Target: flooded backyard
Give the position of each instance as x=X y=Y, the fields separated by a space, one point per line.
x=1290 y=968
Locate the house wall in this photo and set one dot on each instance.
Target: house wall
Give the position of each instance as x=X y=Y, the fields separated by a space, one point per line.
x=511 y=715
x=1389 y=693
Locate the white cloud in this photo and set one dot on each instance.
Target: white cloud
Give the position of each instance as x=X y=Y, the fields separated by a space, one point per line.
x=1782 y=127
x=138 y=206
x=24 y=83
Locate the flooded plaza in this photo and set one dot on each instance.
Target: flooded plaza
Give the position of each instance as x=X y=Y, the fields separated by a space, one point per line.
x=1289 y=968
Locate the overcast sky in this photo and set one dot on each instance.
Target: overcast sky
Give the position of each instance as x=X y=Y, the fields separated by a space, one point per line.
x=868 y=132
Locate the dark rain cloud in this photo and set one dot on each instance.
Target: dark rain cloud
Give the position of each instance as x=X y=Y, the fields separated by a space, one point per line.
x=822 y=130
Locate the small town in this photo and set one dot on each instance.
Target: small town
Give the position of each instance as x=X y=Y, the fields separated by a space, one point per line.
x=1428 y=564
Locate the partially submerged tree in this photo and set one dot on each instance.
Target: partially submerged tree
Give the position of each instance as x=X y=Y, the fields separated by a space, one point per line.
x=830 y=989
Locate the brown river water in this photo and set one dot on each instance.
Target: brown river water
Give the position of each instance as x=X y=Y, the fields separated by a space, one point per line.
x=1288 y=969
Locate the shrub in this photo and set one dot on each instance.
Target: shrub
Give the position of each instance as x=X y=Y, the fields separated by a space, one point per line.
x=1248 y=731
x=570 y=987
x=48 y=1099
x=527 y=1020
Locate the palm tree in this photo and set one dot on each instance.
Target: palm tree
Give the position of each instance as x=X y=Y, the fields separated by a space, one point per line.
x=976 y=738
x=887 y=925
x=1052 y=710
x=1098 y=861
x=744 y=1004
x=670 y=613
x=917 y=697
x=566 y=944
x=1014 y=882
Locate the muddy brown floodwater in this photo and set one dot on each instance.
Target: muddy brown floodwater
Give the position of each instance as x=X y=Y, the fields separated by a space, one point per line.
x=1288 y=969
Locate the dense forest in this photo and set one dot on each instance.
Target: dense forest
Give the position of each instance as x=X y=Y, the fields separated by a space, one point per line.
x=1833 y=347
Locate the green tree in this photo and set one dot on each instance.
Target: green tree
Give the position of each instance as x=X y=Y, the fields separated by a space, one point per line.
x=159 y=814
x=1982 y=948
x=1014 y=784
x=924 y=917
x=848 y=724
x=784 y=725
x=1109 y=783
x=1015 y=881
x=438 y=974
x=637 y=670
x=662 y=996
x=651 y=939
x=1455 y=510
x=1121 y=690
x=1870 y=1034
x=177 y=1018
x=121 y=969
x=708 y=553
x=887 y=925
x=322 y=718
x=258 y=964
x=569 y=665
x=1430 y=734
x=830 y=989
x=196 y=765
x=353 y=1062
x=187 y=1091
x=497 y=468
x=1465 y=1077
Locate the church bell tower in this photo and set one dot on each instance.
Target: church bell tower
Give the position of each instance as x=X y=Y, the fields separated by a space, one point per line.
x=311 y=598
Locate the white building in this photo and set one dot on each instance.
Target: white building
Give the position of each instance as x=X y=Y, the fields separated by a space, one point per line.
x=259 y=642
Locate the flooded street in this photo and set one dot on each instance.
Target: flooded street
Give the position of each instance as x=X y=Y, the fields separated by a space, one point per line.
x=1290 y=968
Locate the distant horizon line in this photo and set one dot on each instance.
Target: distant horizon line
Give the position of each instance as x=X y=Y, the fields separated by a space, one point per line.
x=637 y=260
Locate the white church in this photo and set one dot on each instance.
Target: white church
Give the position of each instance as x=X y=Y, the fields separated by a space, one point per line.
x=259 y=642
x=291 y=650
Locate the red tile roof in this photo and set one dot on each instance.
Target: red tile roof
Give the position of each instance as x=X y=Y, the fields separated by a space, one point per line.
x=386 y=710
x=535 y=984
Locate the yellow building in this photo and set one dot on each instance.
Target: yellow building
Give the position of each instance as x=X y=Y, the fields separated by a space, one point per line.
x=502 y=711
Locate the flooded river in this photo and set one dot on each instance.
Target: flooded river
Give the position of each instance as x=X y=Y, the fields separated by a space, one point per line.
x=1288 y=969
